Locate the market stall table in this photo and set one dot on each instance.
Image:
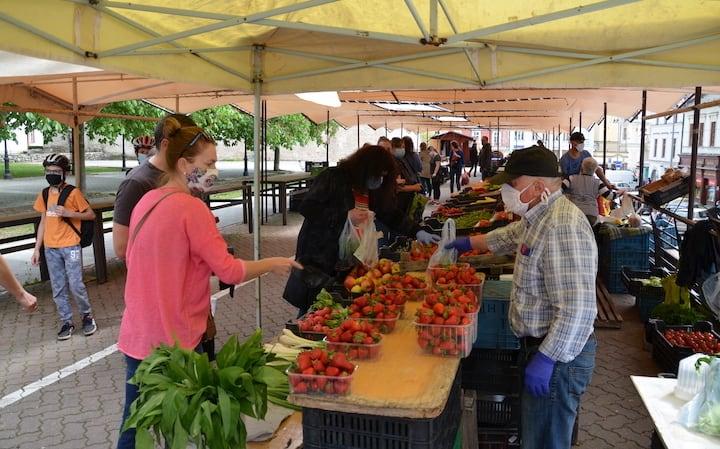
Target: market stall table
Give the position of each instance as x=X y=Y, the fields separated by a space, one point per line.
x=664 y=407
x=282 y=182
x=403 y=382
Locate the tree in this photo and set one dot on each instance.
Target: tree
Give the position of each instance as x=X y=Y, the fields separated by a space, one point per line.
x=28 y=122
x=107 y=130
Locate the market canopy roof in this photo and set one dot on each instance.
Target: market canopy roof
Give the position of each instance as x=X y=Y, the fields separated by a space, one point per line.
x=319 y=45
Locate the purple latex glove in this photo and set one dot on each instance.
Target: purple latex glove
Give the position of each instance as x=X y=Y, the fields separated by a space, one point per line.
x=461 y=244
x=538 y=373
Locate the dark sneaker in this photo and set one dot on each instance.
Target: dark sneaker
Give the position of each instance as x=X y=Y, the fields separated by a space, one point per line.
x=88 y=324
x=66 y=330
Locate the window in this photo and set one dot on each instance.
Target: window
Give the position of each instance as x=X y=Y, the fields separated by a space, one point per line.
x=655 y=149
x=700 y=134
x=712 y=134
x=674 y=145
x=624 y=133
x=663 y=148
x=519 y=135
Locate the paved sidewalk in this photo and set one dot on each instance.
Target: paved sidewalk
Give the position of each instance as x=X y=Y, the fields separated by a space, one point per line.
x=83 y=409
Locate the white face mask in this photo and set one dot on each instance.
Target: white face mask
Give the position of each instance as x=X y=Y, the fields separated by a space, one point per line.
x=580 y=146
x=199 y=181
x=399 y=153
x=142 y=158
x=511 y=199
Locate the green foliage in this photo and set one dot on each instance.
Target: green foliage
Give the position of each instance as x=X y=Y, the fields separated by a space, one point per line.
x=28 y=122
x=107 y=130
x=226 y=124
x=183 y=397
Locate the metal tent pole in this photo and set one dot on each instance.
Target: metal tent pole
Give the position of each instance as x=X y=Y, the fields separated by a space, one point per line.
x=257 y=86
x=605 y=136
x=327 y=139
x=358 y=130
x=694 y=153
x=124 y=162
x=77 y=131
x=497 y=142
x=643 y=113
x=6 y=160
x=580 y=122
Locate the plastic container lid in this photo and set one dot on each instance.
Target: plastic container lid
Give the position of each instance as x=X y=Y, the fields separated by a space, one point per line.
x=690 y=380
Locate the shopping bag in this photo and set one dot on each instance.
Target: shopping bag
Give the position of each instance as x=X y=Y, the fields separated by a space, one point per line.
x=702 y=413
x=367 y=250
x=626 y=208
x=417 y=208
x=348 y=242
x=465 y=178
x=443 y=256
x=711 y=291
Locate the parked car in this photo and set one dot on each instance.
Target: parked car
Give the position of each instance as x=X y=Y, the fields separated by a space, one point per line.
x=623 y=179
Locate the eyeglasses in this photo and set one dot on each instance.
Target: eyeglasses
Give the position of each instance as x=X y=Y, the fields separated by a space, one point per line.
x=195 y=140
x=53 y=172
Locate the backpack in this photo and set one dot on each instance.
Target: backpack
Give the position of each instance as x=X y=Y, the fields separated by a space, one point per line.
x=87 y=227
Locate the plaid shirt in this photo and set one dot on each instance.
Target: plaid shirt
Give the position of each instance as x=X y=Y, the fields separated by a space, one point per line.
x=553 y=293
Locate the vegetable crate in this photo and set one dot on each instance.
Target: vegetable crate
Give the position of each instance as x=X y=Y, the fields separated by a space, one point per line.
x=323 y=429
x=497 y=410
x=647 y=297
x=631 y=251
x=494 y=330
x=493 y=438
x=668 y=356
x=492 y=371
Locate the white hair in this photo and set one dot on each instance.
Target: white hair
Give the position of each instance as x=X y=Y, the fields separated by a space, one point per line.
x=589 y=165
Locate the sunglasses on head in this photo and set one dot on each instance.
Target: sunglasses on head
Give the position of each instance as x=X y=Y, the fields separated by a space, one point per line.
x=195 y=140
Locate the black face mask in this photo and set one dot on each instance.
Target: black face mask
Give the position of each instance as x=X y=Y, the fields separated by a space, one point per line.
x=53 y=179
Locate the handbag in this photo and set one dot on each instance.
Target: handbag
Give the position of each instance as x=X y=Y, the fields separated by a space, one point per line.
x=210 y=329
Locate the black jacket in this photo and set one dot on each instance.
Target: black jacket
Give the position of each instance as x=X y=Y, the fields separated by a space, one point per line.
x=325 y=207
x=697 y=254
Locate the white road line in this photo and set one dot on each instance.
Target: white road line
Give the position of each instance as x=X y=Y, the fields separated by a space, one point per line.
x=54 y=377
x=50 y=379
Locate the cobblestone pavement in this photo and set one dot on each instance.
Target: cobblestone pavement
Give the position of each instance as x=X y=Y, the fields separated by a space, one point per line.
x=82 y=410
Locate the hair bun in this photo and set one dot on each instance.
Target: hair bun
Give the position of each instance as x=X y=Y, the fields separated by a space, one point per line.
x=171 y=127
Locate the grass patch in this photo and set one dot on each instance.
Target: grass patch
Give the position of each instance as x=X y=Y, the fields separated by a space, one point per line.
x=27 y=170
x=14 y=231
x=231 y=195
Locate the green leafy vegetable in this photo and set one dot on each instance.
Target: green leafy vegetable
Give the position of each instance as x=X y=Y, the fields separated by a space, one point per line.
x=183 y=397
x=676 y=314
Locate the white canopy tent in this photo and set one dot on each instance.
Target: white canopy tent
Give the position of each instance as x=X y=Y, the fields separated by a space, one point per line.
x=287 y=46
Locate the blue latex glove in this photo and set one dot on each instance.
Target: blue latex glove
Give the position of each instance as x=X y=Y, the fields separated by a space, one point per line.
x=538 y=373
x=426 y=237
x=461 y=244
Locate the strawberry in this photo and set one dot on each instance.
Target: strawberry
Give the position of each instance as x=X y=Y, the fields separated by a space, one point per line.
x=315 y=353
x=303 y=361
x=332 y=371
x=300 y=387
x=438 y=309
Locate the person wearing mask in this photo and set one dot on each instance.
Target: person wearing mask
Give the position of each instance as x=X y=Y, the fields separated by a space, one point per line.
x=473 y=159
x=173 y=248
x=485 y=158
x=364 y=181
x=552 y=301
x=409 y=181
x=138 y=182
x=571 y=161
x=412 y=157
x=144 y=148
x=584 y=189
x=457 y=162
x=426 y=172
x=435 y=166
x=11 y=284
x=385 y=143
x=63 y=207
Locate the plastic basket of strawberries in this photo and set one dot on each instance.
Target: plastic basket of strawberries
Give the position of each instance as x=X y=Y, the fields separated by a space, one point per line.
x=412 y=287
x=462 y=296
x=445 y=331
x=380 y=310
x=318 y=371
x=357 y=340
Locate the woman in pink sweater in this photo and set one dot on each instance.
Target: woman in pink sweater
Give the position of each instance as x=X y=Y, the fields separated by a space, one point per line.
x=173 y=248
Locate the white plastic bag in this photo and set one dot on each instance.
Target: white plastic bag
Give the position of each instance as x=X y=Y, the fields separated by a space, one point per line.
x=348 y=242
x=367 y=251
x=444 y=256
x=702 y=413
x=626 y=208
x=711 y=291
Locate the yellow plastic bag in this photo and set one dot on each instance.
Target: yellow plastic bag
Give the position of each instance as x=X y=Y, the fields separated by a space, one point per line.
x=674 y=294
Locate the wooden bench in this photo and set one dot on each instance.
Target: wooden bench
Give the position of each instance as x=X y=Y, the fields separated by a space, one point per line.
x=607 y=315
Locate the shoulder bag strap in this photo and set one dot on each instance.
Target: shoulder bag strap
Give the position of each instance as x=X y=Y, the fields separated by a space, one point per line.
x=144 y=217
x=64 y=194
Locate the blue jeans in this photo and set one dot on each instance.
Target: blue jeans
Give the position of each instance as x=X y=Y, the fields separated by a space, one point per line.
x=547 y=422
x=127 y=438
x=455 y=173
x=65 y=267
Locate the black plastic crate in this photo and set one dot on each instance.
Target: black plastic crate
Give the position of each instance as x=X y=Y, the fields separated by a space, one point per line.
x=646 y=297
x=491 y=371
x=493 y=438
x=667 y=355
x=496 y=410
x=674 y=190
x=324 y=429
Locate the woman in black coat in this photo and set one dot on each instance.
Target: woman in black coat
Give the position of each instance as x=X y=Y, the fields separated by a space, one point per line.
x=365 y=180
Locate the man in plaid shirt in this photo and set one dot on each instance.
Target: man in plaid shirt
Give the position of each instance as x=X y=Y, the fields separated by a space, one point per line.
x=552 y=302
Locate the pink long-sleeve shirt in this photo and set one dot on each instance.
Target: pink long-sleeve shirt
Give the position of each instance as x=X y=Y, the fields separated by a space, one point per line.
x=169 y=261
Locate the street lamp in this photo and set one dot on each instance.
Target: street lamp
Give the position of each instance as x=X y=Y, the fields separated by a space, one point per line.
x=6 y=159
